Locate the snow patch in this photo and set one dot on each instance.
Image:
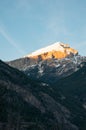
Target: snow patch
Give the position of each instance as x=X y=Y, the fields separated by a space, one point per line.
x=63 y=65
x=40 y=69
x=84 y=105
x=57 y=65
x=44 y=84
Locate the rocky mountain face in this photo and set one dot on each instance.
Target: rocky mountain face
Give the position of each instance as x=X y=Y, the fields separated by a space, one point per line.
x=29 y=105
x=51 y=63
x=53 y=69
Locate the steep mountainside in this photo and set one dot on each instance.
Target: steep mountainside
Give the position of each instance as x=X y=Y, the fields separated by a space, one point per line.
x=72 y=94
x=28 y=105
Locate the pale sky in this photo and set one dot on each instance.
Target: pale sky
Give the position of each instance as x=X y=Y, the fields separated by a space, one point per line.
x=28 y=25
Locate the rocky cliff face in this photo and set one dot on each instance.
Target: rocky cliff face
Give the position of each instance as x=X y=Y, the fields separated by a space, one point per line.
x=50 y=70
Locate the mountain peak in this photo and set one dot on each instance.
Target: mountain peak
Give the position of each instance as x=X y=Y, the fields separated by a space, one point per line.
x=57 y=50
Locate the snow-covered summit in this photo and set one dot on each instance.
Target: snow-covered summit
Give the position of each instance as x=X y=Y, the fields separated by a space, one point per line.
x=56 y=47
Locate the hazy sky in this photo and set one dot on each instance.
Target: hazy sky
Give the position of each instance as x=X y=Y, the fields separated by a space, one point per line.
x=27 y=25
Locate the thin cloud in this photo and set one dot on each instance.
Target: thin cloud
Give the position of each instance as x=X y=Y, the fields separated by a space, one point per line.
x=11 y=41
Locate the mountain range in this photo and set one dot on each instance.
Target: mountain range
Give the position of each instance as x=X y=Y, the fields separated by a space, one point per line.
x=44 y=90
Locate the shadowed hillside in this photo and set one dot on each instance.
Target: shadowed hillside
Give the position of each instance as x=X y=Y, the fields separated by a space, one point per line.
x=26 y=104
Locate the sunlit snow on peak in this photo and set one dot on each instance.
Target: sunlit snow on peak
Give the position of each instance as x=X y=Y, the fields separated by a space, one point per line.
x=58 y=46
